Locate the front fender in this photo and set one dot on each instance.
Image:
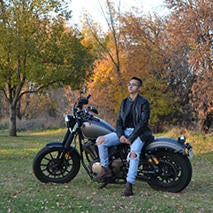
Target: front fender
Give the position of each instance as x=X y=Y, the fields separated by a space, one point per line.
x=166 y=144
x=54 y=144
x=60 y=144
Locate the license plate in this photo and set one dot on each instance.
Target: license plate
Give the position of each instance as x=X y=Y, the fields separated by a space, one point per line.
x=191 y=154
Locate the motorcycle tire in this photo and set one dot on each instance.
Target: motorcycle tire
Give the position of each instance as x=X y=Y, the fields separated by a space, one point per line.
x=48 y=166
x=175 y=172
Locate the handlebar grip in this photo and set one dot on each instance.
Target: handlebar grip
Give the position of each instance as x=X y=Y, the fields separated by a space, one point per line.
x=88 y=97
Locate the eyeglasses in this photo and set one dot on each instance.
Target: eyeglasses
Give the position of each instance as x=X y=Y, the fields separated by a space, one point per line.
x=132 y=85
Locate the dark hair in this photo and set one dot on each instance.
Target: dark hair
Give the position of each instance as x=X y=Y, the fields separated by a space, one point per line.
x=137 y=79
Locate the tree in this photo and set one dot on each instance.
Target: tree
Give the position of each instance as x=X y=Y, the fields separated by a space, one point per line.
x=141 y=54
x=112 y=17
x=36 y=51
x=109 y=56
x=146 y=57
x=191 y=23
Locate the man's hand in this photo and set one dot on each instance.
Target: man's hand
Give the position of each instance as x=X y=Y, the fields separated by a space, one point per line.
x=123 y=139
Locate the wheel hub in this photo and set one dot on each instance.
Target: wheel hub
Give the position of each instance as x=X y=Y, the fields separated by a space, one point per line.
x=55 y=167
x=167 y=170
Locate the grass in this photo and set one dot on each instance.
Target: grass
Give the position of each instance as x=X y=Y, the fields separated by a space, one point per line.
x=22 y=192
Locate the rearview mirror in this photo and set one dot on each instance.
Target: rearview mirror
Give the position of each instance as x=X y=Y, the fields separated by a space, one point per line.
x=83 y=90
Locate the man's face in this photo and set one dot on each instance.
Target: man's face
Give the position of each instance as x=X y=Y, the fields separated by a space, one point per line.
x=133 y=86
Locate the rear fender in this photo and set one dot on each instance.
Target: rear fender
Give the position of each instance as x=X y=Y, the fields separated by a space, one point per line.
x=60 y=144
x=166 y=144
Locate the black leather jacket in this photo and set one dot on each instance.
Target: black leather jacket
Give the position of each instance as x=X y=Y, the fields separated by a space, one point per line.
x=141 y=114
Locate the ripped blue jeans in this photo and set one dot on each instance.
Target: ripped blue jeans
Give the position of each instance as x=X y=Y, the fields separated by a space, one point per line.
x=112 y=139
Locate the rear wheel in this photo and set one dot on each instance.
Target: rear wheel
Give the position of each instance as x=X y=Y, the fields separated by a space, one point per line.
x=50 y=166
x=175 y=172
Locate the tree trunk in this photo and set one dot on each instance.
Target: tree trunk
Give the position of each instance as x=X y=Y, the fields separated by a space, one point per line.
x=12 y=122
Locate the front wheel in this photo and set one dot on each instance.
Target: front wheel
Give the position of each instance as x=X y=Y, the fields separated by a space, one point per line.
x=175 y=172
x=50 y=165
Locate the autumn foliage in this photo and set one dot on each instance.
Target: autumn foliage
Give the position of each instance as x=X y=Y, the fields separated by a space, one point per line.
x=173 y=56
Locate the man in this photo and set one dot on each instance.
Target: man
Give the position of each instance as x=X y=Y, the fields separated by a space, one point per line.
x=131 y=128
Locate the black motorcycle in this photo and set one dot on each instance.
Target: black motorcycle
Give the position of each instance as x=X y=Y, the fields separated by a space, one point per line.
x=164 y=163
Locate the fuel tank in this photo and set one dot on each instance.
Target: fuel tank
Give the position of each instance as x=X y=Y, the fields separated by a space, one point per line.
x=96 y=127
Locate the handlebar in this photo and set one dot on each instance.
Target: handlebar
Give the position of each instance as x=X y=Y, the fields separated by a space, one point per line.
x=80 y=113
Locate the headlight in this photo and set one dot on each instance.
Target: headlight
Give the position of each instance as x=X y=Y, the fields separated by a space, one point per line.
x=69 y=121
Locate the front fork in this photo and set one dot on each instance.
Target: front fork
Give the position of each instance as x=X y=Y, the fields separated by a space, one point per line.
x=66 y=145
x=67 y=139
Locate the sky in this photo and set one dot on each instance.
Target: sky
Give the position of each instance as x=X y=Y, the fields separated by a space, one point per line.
x=92 y=7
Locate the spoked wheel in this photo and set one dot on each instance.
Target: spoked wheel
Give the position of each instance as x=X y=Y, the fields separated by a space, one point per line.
x=50 y=165
x=175 y=172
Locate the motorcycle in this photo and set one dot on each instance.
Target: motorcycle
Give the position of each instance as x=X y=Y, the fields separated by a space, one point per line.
x=164 y=162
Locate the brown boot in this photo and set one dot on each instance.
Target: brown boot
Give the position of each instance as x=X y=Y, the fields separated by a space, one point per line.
x=128 y=190
x=105 y=172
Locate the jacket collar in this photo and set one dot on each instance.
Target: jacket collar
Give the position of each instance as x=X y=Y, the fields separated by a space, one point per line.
x=130 y=99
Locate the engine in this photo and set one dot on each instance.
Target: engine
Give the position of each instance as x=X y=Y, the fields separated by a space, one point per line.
x=91 y=151
x=116 y=167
